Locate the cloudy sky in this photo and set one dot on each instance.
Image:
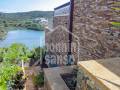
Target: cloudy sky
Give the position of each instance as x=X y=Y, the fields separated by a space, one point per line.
x=29 y=5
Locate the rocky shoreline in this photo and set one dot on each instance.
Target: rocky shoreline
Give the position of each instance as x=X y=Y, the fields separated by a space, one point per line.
x=2 y=34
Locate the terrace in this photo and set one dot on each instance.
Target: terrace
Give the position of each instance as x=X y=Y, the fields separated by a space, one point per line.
x=103 y=74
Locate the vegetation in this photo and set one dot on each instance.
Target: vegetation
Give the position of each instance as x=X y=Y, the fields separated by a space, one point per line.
x=7 y=71
x=12 y=59
x=23 y=24
x=12 y=73
x=39 y=80
x=31 y=25
x=10 y=65
x=116 y=9
x=17 y=82
x=37 y=53
x=2 y=33
x=26 y=15
x=24 y=19
x=115 y=6
x=116 y=24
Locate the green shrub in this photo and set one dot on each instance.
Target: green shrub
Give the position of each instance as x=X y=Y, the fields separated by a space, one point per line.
x=38 y=53
x=116 y=24
x=10 y=59
x=39 y=80
x=17 y=82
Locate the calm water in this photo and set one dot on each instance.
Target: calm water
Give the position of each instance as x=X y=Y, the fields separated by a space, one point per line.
x=30 y=38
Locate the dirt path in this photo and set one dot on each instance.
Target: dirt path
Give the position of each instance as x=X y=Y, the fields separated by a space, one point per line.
x=32 y=71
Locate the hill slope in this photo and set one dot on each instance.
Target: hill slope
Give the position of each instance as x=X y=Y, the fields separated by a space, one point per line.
x=26 y=15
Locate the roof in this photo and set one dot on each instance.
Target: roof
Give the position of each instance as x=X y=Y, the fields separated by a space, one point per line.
x=66 y=4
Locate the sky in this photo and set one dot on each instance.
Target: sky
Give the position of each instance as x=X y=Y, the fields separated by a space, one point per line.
x=10 y=6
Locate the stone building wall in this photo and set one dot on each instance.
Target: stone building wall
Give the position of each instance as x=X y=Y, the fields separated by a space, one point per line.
x=97 y=25
x=57 y=39
x=96 y=29
x=61 y=20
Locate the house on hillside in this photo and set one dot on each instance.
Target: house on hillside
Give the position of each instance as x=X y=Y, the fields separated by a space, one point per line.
x=40 y=20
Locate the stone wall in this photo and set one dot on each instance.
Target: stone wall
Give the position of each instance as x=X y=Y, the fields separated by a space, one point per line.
x=53 y=79
x=57 y=39
x=61 y=20
x=96 y=29
x=98 y=74
x=85 y=82
x=97 y=25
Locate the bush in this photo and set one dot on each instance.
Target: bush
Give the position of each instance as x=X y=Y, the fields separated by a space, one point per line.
x=17 y=82
x=37 y=53
x=39 y=80
x=10 y=64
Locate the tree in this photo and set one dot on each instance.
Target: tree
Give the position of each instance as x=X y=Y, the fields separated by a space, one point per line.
x=11 y=58
x=7 y=71
x=16 y=54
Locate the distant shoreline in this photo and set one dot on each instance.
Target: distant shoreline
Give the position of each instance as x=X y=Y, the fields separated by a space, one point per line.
x=4 y=32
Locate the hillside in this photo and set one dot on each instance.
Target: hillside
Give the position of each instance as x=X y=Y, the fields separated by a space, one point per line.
x=25 y=19
x=26 y=15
